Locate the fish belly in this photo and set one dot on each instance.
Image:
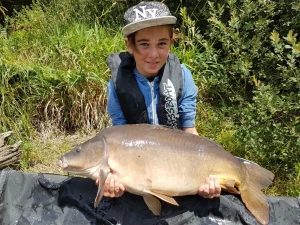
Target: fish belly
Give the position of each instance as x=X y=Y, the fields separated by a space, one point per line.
x=173 y=167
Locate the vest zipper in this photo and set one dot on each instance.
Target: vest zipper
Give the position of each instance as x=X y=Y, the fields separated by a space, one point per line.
x=151 y=83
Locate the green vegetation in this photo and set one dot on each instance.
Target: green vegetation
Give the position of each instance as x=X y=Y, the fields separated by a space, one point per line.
x=244 y=56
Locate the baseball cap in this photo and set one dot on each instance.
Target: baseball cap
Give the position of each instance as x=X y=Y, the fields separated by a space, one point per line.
x=146 y=14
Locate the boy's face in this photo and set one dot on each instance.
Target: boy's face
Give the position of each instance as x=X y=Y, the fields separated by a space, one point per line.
x=152 y=46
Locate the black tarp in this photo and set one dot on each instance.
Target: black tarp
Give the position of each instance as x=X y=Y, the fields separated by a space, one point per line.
x=23 y=200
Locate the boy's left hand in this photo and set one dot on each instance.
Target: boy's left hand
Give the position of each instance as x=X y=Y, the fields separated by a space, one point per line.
x=112 y=188
x=211 y=188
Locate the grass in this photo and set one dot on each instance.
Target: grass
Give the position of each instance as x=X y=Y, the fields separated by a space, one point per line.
x=42 y=154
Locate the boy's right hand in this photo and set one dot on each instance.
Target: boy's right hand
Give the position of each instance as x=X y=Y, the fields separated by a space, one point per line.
x=112 y=187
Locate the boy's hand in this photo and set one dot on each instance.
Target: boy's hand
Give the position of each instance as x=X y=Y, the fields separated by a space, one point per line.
x=112 y=187
x=211 y=188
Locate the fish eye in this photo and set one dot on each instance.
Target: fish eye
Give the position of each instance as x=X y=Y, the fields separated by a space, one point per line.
x=77 y=149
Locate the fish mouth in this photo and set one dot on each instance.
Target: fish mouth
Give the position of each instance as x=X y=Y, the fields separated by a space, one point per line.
x=63 y=164
x=77 y=170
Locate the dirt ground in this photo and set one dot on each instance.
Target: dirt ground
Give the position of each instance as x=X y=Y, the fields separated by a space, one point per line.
x=44 y=152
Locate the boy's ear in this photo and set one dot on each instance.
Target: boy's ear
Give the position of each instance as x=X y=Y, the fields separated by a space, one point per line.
x=128 y=45
x=172 y=40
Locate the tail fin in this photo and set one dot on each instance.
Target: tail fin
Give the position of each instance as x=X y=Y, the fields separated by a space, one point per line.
x=252 y=196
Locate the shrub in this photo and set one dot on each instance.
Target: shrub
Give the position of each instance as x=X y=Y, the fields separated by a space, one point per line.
x=246 y=65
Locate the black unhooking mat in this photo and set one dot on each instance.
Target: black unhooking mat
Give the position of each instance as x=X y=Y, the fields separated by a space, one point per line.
x=30 y=198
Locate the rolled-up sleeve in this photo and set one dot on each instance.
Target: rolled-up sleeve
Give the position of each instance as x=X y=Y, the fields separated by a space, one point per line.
x=187 y=102
x=113 y=106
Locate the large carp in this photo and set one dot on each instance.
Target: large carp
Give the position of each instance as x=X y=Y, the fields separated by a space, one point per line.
x=158 y=163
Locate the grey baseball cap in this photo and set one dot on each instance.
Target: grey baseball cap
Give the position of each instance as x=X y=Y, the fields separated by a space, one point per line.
x=146 y=14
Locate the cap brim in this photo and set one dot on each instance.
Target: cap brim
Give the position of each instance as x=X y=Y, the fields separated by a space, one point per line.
x=135 y=26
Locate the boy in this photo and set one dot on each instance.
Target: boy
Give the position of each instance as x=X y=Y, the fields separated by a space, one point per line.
x=149 y=85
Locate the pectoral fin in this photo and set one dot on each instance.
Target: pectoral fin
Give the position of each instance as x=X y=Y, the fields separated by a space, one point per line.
x=102 y=177
x=163 y=197
x=104 y=171
x=153 y=204
x=228 y=185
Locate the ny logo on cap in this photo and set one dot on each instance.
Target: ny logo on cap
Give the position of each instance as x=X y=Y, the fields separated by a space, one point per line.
x=143 y=13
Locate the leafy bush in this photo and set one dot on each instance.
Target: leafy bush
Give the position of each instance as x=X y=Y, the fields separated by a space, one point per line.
x=246 y=64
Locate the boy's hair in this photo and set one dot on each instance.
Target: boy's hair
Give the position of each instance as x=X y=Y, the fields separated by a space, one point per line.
x=131 y=37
